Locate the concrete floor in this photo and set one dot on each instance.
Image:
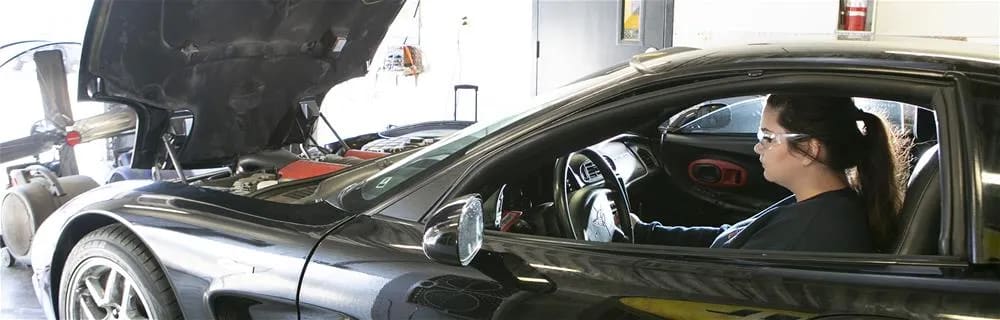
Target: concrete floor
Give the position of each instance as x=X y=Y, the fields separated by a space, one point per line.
x=17 y=297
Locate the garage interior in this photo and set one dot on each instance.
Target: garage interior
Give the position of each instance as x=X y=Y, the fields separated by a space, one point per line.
x=477 y=60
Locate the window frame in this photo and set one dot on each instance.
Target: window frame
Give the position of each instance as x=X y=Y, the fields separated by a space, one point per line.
x=920 y=87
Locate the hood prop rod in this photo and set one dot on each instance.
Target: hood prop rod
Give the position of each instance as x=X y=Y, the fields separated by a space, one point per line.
x=173 y=157
x=310 y=109
x=343 y=143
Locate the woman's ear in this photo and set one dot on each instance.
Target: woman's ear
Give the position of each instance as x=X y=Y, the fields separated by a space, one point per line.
x=814 y=150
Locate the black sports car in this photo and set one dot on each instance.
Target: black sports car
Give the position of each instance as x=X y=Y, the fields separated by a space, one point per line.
x=511 y=219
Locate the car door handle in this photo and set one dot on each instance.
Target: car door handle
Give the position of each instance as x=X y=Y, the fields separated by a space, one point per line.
x=717 y=173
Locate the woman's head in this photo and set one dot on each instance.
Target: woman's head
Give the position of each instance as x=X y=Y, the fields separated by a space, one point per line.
x=801 y=133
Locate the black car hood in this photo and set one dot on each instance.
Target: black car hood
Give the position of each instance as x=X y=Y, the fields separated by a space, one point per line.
x=241 y=67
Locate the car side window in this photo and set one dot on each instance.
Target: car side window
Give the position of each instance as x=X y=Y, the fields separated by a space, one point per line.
x=741 y=115
x=738 y=118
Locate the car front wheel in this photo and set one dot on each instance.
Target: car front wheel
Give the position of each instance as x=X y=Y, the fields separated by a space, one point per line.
x=110 y=274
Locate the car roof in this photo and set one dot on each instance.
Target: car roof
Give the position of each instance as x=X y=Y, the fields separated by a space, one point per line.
x=903 y=53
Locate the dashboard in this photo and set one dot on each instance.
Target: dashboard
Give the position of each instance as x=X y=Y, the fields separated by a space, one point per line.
x=517 y=207
x=630 y=156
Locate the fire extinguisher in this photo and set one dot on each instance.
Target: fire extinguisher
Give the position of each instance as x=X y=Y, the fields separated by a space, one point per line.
x=857 y=12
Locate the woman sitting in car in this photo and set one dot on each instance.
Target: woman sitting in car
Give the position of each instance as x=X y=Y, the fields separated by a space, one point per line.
x=846 y=183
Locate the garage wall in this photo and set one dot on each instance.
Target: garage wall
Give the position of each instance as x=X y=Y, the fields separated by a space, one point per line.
x=496 y=49
x=55 y=20
x=704 y=23
x=493 y=50
x=577 y=38
x=708 y=23
x=973 y=20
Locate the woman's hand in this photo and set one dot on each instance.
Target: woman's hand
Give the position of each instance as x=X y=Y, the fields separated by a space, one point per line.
x=635 y=218
x=619 y=235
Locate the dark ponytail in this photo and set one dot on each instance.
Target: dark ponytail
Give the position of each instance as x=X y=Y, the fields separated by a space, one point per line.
x=879 y=177
x=873 y=158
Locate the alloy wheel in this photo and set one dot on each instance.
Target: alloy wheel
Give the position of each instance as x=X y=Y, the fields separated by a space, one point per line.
x=101 y=289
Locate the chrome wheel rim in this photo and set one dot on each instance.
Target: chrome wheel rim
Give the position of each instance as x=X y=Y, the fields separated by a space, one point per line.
x=101 y=289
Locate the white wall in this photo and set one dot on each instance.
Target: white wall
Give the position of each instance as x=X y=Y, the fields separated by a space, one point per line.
x=705 y=23
x=493 y=51
x=709 y=23
x=496 y=52
x=54 y=20
x=975 y=20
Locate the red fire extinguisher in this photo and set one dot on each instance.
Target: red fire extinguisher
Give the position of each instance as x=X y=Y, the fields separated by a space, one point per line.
x=856 y=16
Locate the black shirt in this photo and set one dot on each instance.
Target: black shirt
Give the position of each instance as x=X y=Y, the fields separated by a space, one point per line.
x=833 y=221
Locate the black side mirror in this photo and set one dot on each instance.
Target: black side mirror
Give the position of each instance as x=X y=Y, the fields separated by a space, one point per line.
x=693 y=116
x=717 y=118
x=454 y=234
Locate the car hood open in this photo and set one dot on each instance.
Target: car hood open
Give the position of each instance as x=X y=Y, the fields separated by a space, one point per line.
x=242 y=69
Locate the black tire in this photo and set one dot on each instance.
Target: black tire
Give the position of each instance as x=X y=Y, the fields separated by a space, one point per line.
x=115 y=245
x=6 y=259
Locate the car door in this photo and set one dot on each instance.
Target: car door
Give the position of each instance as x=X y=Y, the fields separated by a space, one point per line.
x=622 y=281
x=374 y=268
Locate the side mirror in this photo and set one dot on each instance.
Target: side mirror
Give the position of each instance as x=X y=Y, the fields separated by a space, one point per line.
x=717 y=118
x=695 y=117
x=454 y=233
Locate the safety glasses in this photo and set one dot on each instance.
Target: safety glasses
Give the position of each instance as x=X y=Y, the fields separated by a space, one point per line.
x=768 y=139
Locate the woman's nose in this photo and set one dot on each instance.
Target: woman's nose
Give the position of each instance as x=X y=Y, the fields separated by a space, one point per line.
x=758 y=148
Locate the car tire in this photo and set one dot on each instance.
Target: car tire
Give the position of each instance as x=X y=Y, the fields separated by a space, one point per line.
x=114 y=257
x=6 y=259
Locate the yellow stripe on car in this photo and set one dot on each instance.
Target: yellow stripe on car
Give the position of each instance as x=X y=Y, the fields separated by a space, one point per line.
x=684 y=310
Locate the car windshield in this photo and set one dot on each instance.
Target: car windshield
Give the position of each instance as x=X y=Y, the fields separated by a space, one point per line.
x=374 y=189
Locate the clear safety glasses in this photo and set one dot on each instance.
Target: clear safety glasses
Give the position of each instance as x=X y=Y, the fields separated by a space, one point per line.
x=769 y=139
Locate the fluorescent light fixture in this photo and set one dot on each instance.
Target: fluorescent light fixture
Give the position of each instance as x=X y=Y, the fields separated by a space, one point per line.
x=403 y=246
x=339 y=44
x=961 y=317
x=991 y=178
x=538 y=280
x=542 y=266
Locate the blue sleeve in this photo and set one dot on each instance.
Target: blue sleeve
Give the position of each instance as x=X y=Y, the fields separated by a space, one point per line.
x=656 y=233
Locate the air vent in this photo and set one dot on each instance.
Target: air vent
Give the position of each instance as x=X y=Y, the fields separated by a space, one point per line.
x=298 y=194
x=589 y=172
x=647 y=158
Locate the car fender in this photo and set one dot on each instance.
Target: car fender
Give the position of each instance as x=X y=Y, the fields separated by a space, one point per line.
x=208 y=245
x=50 y=242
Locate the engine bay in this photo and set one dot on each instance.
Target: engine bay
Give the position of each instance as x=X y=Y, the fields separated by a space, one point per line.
x=254 y=173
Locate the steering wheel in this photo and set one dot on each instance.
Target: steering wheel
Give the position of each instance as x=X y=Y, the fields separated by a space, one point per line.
x=589 y=213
